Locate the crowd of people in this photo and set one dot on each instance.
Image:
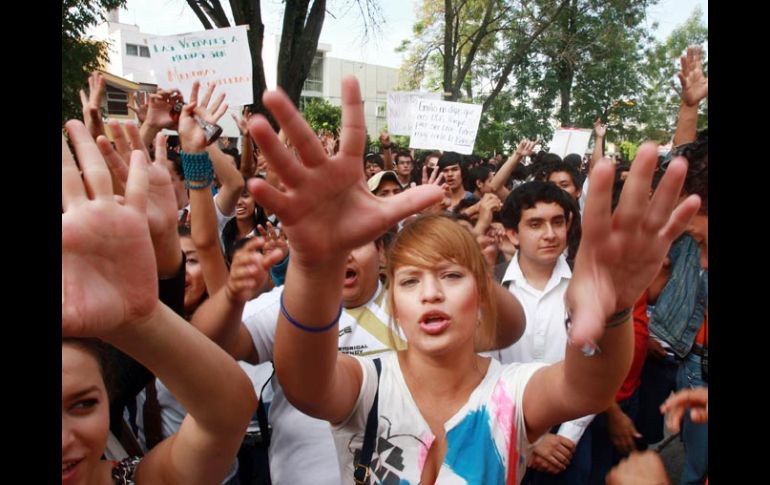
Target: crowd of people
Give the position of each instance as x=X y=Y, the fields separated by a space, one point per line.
x=230 y=316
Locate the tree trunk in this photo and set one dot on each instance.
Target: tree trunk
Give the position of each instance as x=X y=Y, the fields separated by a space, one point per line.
x=449 y=49
x=565 y=75
x=299 y=43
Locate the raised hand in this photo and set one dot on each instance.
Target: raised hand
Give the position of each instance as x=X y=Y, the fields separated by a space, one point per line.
x=695 y=85
x=109 y=275
x=242 y=121
x=92 y=104
x=600 y=129
x=250 y=269
x=191 y=136
x=621 y=252
x=274 y=240
x=325 y=199
x=140 y=108
x=160 y=109
x=385 y=139
x=526 y=148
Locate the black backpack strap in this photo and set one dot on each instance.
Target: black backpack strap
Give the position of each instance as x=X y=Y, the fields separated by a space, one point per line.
x=361 y=471
x=264 y=429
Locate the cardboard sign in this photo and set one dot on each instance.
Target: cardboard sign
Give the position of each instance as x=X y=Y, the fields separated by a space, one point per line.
x=401 y=108
x=444 y=125
x=569 y=140
x=219 y=56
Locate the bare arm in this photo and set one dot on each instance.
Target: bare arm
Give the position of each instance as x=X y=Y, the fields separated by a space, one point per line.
x=619 y=256
x=600 y=130
x=503 y=173
x=203 y=225
x=695 y=87
x=247 y=147
x=387 y=150
x=321 y=192
x=113 y=296
x=219 y=317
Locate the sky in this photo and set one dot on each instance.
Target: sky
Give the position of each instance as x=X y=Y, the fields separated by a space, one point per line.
x=342 y=27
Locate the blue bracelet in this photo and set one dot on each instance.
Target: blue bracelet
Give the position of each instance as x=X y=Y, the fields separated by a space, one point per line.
x=198 y=173
x=309 y=329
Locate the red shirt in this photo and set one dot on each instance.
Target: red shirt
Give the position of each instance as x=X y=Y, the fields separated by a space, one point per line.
x=641 y=334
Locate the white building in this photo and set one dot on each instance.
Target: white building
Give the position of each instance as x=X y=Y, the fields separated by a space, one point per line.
x=129 y=58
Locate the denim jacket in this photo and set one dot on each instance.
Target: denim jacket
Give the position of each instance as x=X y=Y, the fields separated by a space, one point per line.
x=681 y=306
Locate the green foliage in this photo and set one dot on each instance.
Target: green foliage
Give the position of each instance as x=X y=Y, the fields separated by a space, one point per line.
x=628 y=150
x=322 y=115
x=80 y=56
x=659 y=105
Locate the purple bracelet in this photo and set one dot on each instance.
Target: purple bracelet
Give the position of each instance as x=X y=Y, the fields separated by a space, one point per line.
x=306 y=328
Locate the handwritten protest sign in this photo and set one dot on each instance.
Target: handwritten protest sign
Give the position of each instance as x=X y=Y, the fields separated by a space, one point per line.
x=444 y=125
x=219 y=56
x=569 y=140
x=402 y=106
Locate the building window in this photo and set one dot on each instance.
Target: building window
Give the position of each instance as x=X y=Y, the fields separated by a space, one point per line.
x=132 y=50
x=144 y=51
x=380 y=110
x=315 y=78
x=117 y=101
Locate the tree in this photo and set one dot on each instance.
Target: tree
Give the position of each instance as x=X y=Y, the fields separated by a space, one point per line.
x=322 y=115
x=80 y=56
x=659 y=99
x=473 y=45
x=302 y=23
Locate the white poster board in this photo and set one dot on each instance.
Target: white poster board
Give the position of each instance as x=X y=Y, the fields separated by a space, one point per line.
x=401 y=109
x=569 y=140
x=444 y=125
x=219 y=56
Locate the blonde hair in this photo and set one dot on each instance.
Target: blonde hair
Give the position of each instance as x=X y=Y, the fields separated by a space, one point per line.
x=432 y=239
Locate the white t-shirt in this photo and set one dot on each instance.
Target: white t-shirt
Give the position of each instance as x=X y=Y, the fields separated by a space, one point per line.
x=545 y=336
x=301 y=448
x=482 y=437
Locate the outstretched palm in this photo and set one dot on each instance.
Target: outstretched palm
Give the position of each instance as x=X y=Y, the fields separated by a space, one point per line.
x=620 y=253
x=108 y=265
x=326 y=209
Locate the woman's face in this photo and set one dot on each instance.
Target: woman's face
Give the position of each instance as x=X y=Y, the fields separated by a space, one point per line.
x=85 y=418
x=437 y=307
x=194 y=285
x=244 y=208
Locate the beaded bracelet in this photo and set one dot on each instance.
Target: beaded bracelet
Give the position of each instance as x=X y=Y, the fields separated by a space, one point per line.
x=197 y=168
x=306 y=328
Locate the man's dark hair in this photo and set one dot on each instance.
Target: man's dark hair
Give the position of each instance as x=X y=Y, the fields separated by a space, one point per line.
x=527 y=195
x=574 y=160
x=480 y=173
x=448 y=159
x=697 y=155
x=567 y=168
x=374 y=158
x=402 y=153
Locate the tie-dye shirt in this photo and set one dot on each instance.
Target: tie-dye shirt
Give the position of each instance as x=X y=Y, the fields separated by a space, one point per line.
x=485 y=434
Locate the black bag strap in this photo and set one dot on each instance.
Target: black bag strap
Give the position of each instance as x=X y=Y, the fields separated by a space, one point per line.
x=361 y=471
x=264 y=430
